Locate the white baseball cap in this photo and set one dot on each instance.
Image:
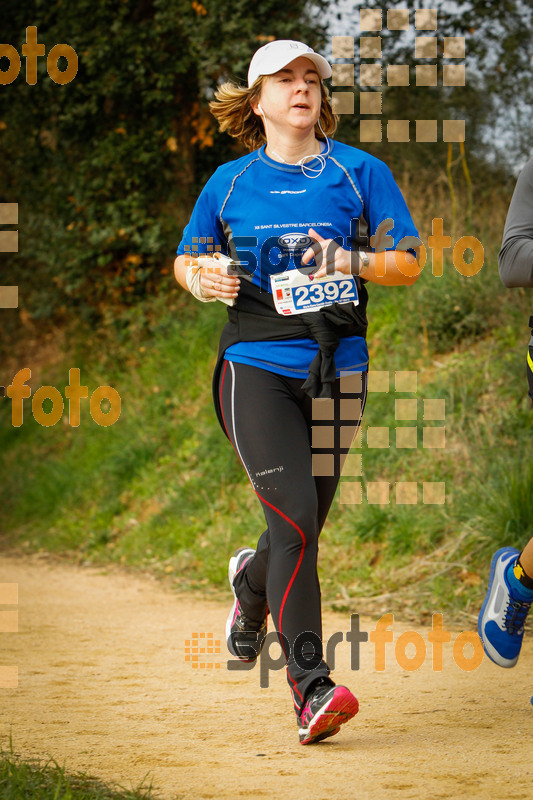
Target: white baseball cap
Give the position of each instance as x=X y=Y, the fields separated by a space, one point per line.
x=275 y=55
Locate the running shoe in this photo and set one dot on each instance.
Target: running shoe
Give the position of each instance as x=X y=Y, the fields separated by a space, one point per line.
x=502 y=616
x=326 y=708
x=245 y=637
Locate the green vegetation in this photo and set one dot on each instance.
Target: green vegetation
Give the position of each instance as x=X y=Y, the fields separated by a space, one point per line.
x=104 y=168
x=49 y=781
x=162 y=489
x=105 y=171
x=122 y=151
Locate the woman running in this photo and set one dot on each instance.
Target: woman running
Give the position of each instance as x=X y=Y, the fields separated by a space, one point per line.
x=296 y=215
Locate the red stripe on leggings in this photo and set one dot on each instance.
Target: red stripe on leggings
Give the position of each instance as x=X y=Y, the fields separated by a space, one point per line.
x=287 y=590
x=294 y=689
x=278 y=511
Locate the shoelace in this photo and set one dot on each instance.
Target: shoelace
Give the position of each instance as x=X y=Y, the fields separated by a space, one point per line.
x=515 y=616
x=246 y=624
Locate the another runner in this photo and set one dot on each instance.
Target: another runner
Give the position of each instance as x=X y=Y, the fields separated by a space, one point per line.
x=510 y=591
x=290 y=387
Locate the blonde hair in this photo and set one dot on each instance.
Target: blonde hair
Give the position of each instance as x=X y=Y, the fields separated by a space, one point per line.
x=231 y=108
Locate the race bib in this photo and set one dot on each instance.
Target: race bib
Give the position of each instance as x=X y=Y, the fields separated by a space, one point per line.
x=295 y=293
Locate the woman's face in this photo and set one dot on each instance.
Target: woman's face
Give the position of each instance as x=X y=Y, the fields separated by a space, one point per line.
x=291 y=98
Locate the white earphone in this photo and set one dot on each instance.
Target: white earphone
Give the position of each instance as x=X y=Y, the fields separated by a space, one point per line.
x=308 y=171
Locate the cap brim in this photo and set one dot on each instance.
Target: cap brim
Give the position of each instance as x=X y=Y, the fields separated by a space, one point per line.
x=323 y=66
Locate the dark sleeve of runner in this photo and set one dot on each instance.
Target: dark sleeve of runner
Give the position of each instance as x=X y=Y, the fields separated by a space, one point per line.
x=515 y=260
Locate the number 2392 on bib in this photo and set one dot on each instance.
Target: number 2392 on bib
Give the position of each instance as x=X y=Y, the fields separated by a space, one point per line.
x=295 y=293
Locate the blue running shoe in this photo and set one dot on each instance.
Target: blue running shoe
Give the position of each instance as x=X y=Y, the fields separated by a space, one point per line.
x=502 y=616
x=245 y=637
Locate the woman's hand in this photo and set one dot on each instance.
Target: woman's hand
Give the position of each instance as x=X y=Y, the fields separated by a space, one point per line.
x=329 y=256
x=216 y=282
x=208 y=282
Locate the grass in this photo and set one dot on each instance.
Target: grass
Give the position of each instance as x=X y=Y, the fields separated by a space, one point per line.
x=49 y=781
x=162 y=489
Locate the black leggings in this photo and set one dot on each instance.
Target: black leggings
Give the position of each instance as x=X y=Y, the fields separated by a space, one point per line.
x=270 y=422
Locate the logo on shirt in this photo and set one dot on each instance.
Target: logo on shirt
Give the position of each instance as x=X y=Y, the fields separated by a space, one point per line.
x=294 y=242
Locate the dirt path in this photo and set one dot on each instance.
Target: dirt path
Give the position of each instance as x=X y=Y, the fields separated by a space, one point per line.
x=105 y=688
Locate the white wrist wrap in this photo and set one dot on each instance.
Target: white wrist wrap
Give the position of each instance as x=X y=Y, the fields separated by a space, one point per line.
x=194 y=286
x=214 y=260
